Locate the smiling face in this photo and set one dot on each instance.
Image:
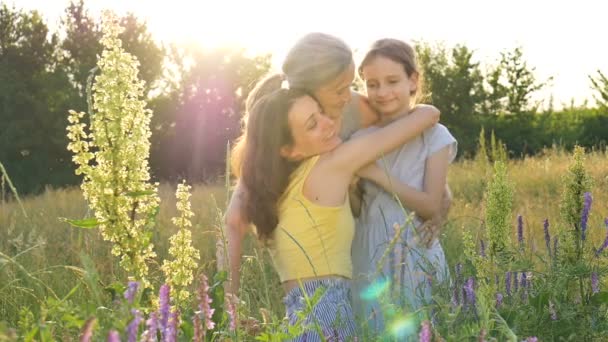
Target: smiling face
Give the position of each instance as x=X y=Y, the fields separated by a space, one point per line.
x=335 y=94
x=313 y=132
x=389 y=88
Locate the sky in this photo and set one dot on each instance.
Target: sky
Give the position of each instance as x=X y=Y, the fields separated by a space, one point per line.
x=564 y=40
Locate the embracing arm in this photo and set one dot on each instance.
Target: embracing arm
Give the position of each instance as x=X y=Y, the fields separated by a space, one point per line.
x=236 y=226
x=362 y=150
x=427 y=204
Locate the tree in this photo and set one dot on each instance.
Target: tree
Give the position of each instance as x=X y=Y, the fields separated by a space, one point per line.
x=511 y=84
x=204 y=112
x=600 y=85
x=34 y=95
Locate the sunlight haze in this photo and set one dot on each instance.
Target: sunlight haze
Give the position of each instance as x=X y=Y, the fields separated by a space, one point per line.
x=562 y=40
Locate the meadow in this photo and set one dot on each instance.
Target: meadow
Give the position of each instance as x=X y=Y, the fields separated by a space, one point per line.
x=44 y=257
x=122 y=257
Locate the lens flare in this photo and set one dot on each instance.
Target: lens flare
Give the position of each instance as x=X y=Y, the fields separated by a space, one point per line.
x=374 y=290
x=403 y=326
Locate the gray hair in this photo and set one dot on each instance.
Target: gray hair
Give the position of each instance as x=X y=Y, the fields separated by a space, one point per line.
x=316 y=59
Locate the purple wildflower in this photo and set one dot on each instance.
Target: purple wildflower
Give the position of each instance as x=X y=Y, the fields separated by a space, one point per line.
x=515 y=282
x=469 y=289
x=499 y=299
x=133 y=327
x=152 y=327
x=524 y=280
x=131 y=291
x=205 y=303
x=87 y=330
x=199 y=334
x=524 y=286
x=595 y=283
x=605 y=244
x=520 y=230
x=171 y=335
x=113 y=336
x=508 y=283
x=458 y=268
x=455 y=297
x=231 y=310
x=585 y=215
x=555 y=244
x=552 y=311
x=547 y=236
x=482 y=251
x=425 y=332
x=532 y=339
x=163 y=295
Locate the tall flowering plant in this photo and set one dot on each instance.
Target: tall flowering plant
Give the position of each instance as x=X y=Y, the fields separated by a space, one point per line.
x=112 y=155
x=180 y=271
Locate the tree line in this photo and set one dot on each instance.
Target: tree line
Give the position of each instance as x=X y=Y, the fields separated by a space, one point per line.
x=197 y=97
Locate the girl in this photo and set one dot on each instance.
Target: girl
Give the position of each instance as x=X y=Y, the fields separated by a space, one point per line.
x=416 y=173
x=297 y=172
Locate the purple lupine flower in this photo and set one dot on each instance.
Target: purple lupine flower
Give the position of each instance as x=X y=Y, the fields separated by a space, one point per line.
x=455 y=297
x=508 y=283
x=520 y=230
x=199 y=333
x=499 y=299
x=205 y=303
x=605 y=244
x=171 y=335
x=524 y=280
x=469 y=289
x=585 y=215
x=163 y=298
x=595 y=283
x=547 y=236
x=482 y=251
x=515 y=282
x=133 y=327
x=458 y=268
x=555 y=244
x=113 y=336
x=524 y=286
x=231 y=310
x=552 y=311
x=532 y=339
x=152 y=327
x=87 y=330
x=425 y=332
x=131 y=291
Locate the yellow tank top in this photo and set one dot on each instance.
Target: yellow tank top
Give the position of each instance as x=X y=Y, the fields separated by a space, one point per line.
x=311 y=240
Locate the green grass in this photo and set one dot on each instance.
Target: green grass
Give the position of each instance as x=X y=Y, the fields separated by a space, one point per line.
x=41 y=255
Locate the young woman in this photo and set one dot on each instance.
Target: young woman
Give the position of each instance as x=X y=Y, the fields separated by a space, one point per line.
x=416 y=173
x=297 y=173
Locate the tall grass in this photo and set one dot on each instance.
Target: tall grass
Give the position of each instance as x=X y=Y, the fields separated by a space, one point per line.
x=42 y=257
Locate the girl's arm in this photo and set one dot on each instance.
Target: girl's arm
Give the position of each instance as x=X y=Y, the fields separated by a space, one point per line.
x=236 y=226
x=362 y=150
x=427 y=204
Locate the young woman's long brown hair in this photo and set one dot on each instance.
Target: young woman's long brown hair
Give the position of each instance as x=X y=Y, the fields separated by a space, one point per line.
x=256 y=157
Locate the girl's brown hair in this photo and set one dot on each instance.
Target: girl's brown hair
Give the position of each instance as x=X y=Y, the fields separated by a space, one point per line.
x=399 y=52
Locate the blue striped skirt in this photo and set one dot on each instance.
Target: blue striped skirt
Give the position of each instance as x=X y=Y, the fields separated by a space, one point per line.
x=332 y=313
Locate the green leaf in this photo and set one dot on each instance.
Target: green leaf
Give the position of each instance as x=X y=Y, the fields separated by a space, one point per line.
x=84 y=223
